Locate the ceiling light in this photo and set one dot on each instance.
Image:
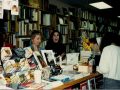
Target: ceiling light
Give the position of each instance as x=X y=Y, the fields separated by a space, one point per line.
x=118 y=16
x=100 y=5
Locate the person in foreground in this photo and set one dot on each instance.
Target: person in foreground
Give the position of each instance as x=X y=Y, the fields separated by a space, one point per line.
x=55 y=43
x=110 y=61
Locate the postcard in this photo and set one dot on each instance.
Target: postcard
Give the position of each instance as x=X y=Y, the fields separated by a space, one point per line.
x=14 y=7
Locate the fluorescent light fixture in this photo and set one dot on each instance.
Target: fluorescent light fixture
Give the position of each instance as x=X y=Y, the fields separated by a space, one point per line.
x=118 y=16
x=100 y=5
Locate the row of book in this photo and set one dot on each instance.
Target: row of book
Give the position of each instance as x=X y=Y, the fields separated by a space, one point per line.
x=25 y=28
x=63 y=29
x=28 y=13
x=87 y=15
x=87 y=25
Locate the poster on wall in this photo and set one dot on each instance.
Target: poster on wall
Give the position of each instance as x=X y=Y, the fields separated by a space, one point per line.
x=14 y=7
x=7 y=4
x=1 y=9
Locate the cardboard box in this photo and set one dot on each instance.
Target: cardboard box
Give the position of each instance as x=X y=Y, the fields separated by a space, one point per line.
x=83 y=68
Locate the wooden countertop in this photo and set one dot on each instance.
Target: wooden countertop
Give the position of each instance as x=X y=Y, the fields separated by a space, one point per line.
x=73 y=82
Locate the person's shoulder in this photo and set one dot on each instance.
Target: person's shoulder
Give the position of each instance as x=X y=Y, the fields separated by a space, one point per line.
x=111 y=47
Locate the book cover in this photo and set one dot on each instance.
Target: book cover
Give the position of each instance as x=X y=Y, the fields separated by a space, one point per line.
x=24 y=65
x=14 y=7
x=39 y=60
x=6 y=53
x=34 y=86
x=83 y=86
x=46 y=19
x=91 y=84
x=63 y=78
x=10 y=66
x=48 y=57
x=45 y=4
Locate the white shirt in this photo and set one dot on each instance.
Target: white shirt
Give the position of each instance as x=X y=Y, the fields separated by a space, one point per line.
x=110 y=62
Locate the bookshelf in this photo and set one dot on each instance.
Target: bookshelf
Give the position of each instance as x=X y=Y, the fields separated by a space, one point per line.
x=74 y=32
x=7 y=26
x=62 y=27
x=29 y=19
x=88 y=22
x=71 y=22
x=95 y=24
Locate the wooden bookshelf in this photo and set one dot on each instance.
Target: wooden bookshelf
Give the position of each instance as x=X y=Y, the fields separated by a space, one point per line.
x=32 y=15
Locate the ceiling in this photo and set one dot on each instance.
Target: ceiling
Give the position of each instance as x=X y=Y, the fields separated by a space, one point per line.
x=113 y=12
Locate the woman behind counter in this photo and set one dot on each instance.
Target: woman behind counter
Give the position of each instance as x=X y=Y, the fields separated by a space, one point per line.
x=55 y=43
x=36 y=39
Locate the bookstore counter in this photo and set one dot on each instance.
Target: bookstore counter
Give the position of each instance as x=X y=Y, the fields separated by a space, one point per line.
x=23 y=69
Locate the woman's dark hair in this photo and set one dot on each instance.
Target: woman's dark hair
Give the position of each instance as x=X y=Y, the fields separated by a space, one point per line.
x=93 y=40
x=36 y=32
x=108 y=39
x=57 y=47
x=51 y=37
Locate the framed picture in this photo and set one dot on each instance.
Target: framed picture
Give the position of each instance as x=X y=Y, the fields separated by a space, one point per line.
x=39 y=59
x=49 y=57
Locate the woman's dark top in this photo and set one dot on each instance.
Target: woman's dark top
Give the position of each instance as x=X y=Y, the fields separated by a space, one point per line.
x=58 y=48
